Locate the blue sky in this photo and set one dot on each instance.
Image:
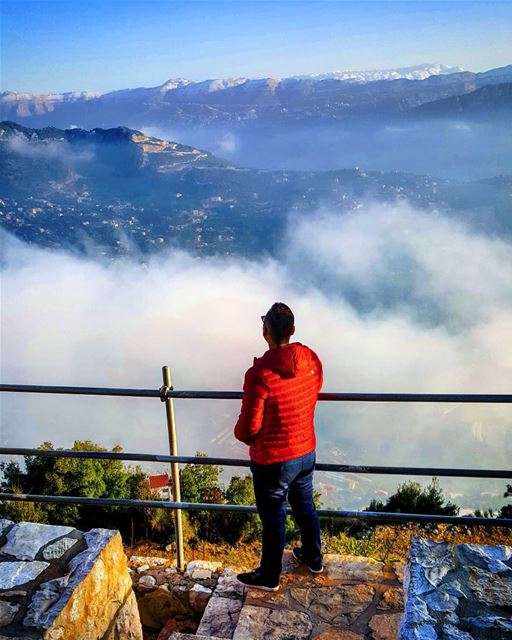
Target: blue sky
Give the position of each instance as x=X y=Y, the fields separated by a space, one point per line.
x=102 y=45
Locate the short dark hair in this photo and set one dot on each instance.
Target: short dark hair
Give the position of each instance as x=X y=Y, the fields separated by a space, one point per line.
x=280 y=321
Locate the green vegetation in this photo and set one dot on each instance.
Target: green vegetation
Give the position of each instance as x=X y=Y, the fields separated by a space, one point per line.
x=92 y=478
x=199 y=483
x=411 y=497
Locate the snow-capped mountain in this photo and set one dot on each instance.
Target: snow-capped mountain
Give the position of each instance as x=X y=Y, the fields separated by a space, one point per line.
x=418 y=72
x=343 y=96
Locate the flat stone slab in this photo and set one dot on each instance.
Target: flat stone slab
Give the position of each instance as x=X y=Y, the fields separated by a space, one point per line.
x=58 y=549
x=25 y=539
x=353 y=568
x=15 y=574
x=338 y=604
x=220 y=618
x=260 y=623
x=385 y=626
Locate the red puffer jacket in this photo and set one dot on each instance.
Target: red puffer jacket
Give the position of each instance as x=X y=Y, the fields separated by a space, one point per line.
x=280 y=394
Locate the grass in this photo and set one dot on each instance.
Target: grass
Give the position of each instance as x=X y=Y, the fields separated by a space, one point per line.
x=384 y=543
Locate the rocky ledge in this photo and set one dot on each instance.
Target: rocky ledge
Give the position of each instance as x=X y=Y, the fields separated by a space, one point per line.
x=58 y=582
x=355 y=598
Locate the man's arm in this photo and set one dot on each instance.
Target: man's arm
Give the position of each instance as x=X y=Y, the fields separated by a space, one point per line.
x=253 y=403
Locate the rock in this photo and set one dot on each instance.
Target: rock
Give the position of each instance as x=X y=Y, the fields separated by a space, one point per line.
x=198 y=597
x=58 y=549
x=167 y=630
x=14 y=574
x=495 y=559
x=490 y=589
x=220 y=618
x=46 y=596
x=385 y=626
x=25 y=539
x=142 y=568
x=146 y=583
x=205 y=565
x=336 y=604
x=152 y=561
x=7 y=612
x=229 y=587
x=200 y=574
x=127 y=625
x=5 y=524
x=452 y=633
x=260 y=623
x=97 y=584
x=353 y=567
x=158 y=606
x=336 y=634
x=398 y=568
x=392 y=599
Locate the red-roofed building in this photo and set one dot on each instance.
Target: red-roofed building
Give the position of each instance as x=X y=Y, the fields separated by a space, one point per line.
x=161 y=483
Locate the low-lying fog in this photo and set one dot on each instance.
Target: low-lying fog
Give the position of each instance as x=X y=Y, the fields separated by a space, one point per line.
x=392 y=299
x=454 y=149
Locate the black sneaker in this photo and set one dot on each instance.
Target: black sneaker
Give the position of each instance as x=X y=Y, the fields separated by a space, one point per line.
x=314 y=567
x=256 y=580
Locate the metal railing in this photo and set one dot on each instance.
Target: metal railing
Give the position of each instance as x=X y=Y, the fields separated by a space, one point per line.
x=167 y=394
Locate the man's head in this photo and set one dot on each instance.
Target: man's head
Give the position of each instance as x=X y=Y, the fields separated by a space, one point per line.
x=278 y=324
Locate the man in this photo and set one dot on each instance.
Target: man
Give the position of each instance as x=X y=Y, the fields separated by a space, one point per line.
x=276 y=421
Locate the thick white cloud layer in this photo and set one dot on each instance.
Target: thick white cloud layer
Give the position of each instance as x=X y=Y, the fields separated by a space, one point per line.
x=392 y=299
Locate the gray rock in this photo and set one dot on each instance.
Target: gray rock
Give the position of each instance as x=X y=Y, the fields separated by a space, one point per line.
x=48 y=594
x=5 y=524
x=417 y=632
x=14 y=574
x=496 y=559
x=25 y=539
x=220 y=618
x=58 y=549
x=200 y=574
x=146 y=583
x=229 y=587
x=142 y=568
x=260 y=623
x=202 y=565
x=7 y=612
x=453 y=633
x=198 y=597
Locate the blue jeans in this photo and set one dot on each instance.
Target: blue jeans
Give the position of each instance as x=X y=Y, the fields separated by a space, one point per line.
x=274 y=485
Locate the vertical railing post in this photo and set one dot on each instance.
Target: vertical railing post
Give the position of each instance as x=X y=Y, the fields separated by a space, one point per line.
x=175 y=472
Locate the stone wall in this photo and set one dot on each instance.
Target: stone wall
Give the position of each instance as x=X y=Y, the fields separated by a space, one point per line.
x=457 y=592
x=169 y=601
x=59 y=583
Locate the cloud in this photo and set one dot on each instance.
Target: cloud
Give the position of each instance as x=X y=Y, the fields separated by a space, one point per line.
x=51 y=149
x=391 y=298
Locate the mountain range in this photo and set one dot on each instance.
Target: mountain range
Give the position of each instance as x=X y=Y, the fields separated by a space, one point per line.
x=244 y=103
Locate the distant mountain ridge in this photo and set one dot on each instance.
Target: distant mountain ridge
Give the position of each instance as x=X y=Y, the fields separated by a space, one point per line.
x=241 y=102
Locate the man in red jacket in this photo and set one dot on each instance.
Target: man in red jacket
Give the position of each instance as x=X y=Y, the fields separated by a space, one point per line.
x=276 y=421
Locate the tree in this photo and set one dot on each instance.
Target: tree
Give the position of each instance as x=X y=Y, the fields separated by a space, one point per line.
x=200 y=483
x=412 y=498
x=88 y=477
x=506 y=510
x=242 y=526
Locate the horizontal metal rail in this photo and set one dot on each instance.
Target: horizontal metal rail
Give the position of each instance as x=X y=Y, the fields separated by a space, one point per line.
x=237 y=395
x=239 y=462
x=373 y=516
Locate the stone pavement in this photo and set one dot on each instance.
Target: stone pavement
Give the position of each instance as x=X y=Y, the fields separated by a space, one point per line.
x=355 y=598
